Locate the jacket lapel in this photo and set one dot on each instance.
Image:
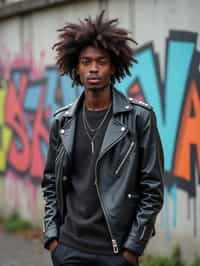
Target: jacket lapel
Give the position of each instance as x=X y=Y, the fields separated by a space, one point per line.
x=114 y=133
x=116 y=129
x=67 y=135
x=67 y=132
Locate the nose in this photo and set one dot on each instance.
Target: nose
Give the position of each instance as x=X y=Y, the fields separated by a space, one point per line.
x=94 y=67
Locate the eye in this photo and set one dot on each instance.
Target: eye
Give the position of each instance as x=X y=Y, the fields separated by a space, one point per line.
x=103 y=61
x=85 y=62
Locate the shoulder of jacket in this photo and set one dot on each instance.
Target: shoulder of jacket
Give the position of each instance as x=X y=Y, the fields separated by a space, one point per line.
x=141 y=104
x=62 y=110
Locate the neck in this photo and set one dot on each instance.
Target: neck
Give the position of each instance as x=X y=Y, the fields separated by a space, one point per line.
x=98 y=100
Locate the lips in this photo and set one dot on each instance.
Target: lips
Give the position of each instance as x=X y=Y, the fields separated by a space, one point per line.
x=93 y=79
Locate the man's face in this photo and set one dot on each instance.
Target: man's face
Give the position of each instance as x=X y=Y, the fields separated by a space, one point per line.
x=95 y=68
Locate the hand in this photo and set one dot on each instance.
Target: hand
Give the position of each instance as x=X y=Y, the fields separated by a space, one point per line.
x=52 y=245
x=129 y=256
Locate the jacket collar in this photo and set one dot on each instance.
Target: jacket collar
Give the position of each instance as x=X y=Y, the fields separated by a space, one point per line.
x=120 y=104
x=115 y=131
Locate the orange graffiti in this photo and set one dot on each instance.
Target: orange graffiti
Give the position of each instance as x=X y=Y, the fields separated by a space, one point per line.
x=189 y=134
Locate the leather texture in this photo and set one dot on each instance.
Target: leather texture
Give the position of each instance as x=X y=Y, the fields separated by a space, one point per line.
x=128 y=175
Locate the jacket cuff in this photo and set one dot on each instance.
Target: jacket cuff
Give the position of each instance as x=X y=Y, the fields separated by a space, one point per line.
x=136 y=242
x=49 y=235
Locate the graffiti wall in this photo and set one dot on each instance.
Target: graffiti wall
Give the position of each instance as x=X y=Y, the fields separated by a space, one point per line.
x=30 y=93
x=28 y=97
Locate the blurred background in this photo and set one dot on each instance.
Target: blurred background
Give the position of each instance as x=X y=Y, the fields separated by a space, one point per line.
x=166 y=76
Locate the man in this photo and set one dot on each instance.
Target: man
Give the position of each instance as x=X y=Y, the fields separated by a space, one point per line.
x=102 y=181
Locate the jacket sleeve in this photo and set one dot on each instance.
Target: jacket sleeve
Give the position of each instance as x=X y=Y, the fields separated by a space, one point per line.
x=50 y=222
x=150 y=185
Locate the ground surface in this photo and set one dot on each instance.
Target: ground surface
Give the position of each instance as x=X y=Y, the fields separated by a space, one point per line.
x=17 y=251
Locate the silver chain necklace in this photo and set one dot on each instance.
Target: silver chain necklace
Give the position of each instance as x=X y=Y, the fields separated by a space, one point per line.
x=88 y=128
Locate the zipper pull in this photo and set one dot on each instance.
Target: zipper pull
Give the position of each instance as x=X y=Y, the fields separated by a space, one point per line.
x=115 y=247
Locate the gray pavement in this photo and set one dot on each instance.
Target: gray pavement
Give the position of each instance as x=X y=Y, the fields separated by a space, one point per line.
x=16 y=251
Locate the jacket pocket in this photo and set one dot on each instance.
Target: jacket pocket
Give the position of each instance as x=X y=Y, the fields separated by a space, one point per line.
x=132 y=200
x=132 y=145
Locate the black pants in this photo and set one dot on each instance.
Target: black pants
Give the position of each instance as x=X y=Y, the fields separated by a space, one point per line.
x=67 y=256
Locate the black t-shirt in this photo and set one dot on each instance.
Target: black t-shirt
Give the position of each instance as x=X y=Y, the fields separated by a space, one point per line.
x=85 y=227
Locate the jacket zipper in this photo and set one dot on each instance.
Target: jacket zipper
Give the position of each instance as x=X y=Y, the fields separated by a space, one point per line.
x=61 y=151
x=114 y=241
x=125 y=157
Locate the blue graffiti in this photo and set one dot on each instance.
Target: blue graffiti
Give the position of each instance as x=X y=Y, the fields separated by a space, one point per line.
x=178 y=62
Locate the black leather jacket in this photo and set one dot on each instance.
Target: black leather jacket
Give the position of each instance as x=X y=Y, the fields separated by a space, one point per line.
x=128 y=174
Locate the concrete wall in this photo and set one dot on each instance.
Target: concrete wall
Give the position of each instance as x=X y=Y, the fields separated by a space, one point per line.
x=167 y=77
